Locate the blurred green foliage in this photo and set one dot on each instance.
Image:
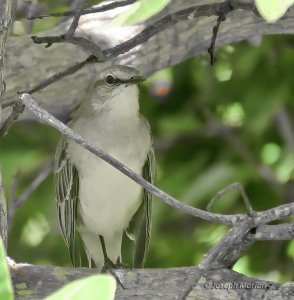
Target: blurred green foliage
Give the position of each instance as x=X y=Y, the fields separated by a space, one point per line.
x=211 y=126
x=100 y=287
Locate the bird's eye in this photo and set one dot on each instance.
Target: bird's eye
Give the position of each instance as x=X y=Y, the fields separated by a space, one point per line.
x=110 y=80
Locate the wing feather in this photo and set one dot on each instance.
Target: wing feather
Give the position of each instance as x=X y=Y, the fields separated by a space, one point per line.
x=139 y=229
x=67 y=191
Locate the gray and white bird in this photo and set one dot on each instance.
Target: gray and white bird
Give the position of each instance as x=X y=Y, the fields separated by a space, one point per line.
x=94 y=198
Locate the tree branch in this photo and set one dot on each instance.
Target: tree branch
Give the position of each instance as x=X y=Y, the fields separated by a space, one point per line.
x=150 y=31
x=69 y=37
x=254 y=219
x=17 y=110
x=187 y=37
x=75 y=22
x=37 y=282
x=5 y=21
x=277 y=232
x=80 y=41
x=43 y=115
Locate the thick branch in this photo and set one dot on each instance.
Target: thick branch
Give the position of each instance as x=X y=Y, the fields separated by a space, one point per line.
x=37 y=282
x=5 y=21
x=274 y=232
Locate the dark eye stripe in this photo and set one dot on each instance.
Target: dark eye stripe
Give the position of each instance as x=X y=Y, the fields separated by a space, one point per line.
x=117 y=81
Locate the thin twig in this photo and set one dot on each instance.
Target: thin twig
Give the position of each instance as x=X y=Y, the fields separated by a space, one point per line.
x=222 y=17
x=80 y=41
x=258 y=218
x=47 y=118
x=100 y=8
x=75 y=22
x=236 y=186
x=69 y=37
x=16 y=112
x=213 y=39
x=16 y=203
x=71 y=70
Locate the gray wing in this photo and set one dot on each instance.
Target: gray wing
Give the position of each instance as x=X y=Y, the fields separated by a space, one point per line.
x=66 y=191
x=139 y=228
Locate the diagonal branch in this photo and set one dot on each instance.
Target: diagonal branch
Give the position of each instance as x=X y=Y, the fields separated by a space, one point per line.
x=69 y=71
x=47 y=118
x=75 y=22
x=158 y=26
x=80 y=41
x=16 y=112
x=256 y=219
x=69 y=37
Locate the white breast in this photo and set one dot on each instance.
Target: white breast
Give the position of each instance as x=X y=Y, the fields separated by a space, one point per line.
x=108 y=198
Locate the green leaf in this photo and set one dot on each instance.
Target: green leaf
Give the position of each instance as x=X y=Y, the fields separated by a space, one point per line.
x=100 y=287
x=6 y=291
x=272 y=10
x=140 y=11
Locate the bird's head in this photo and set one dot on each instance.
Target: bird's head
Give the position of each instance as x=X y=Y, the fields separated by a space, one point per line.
x=117 y=79
x=116 y=88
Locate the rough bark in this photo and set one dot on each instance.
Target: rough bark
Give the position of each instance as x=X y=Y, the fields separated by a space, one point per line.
x=28 y=63
x=36 y=282
x=5 y=21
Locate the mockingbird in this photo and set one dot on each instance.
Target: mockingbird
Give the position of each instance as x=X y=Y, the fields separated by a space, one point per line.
x=93 y=197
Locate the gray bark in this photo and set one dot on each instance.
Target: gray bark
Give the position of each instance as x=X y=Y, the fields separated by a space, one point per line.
x=36 y=282
x=5 y=21
x=28 y=64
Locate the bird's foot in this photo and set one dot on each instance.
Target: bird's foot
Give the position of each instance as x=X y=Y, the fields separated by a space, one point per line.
x=109 y=267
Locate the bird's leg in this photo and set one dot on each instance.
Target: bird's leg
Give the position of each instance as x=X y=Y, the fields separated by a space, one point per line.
x=108 y=264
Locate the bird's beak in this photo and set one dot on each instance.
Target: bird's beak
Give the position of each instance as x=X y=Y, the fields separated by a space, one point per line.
x=135 y=80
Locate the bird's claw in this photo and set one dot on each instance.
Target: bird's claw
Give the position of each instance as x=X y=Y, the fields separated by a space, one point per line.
x=109 y=267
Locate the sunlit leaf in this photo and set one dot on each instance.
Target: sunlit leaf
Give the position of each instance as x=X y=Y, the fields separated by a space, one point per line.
x=272 y=10
x=6 y=291
x=141 y=10
x=100 y=287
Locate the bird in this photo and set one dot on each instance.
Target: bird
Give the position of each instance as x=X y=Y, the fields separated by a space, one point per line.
x=95 y=201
